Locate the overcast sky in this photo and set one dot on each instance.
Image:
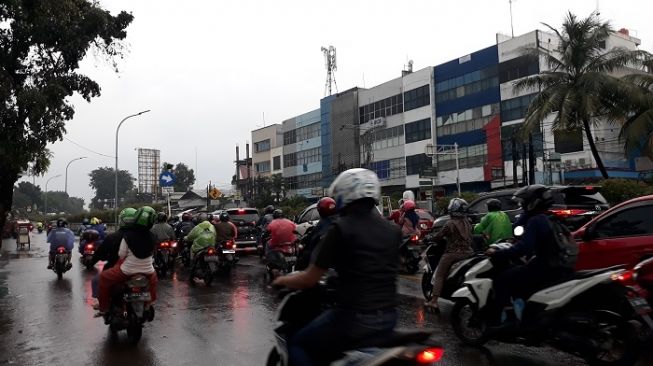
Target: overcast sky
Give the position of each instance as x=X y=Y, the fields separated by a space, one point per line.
x=209 y=69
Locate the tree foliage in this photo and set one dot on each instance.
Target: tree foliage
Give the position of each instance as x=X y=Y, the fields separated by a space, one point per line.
x=103 y=182
x=619 y=190
x=580 y=88
x=59 y=201
x=27 y=194
x=41 y=46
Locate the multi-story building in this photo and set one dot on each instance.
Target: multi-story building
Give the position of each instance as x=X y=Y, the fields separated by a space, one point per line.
x=302 y=155
x=267 y=150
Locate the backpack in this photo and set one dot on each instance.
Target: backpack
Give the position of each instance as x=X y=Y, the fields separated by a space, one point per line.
x=564 y=249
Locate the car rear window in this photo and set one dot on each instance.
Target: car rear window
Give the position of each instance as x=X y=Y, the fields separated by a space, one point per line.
x=245 y=215
x=580 y=196
x=425 y=215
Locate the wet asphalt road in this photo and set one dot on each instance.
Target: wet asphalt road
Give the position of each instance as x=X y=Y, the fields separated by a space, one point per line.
x=45 y=321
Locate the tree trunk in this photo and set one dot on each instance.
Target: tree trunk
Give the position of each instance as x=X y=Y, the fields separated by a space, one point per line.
x=595 y=153
x=7 y=180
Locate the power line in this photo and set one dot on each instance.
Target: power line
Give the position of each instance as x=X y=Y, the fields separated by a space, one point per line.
x=87 y=149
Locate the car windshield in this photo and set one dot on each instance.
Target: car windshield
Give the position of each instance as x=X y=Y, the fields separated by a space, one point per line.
x=580 y=196
x=244 y=215
x=424 y=215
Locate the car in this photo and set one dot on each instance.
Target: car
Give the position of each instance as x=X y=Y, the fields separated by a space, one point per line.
x=245 y=220
x=307 y=218
x=622 y=235
x=573 y=205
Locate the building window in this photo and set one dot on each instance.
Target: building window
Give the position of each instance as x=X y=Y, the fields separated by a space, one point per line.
x=262 y=167
x=304 y=181
x=466 y=84
x=497 y=173
x=568 y=141
x=418 y=131
x=383 y=108
x=289 y=160
x=389 y=169
x=518 y=68
x=301 y=133
x=276 y=162
x=469 y=156
x=416 y=98
x=516 y=108
x=415 y=163
x=309 y=156
x=262 y=146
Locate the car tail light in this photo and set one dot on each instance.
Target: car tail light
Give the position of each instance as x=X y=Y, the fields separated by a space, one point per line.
x=89 y=246
x=626 y=278
x=241 y=211
x=174 y=244
x=567 y=212
x=164 y=244
x=429 y=356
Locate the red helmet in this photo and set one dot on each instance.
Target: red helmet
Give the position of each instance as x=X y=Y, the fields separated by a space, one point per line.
x=408 y=205
x=326 y=206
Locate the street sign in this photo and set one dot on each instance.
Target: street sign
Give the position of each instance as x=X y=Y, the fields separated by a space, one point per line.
x=214 y=193
x=428 y=172
x=167 y=179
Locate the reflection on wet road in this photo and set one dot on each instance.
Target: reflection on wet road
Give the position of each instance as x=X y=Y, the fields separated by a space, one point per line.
x=45 y=321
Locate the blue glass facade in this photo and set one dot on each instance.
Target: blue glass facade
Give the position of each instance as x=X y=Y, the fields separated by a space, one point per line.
x=325 y=120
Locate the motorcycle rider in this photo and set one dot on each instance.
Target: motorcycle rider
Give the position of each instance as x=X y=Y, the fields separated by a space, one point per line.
x=135 y=252
x=409 y=219
x=495 y=225
x=202 y=236
x=458 y=232
x=110 y=248
x=281 y=231
x=326 y=207
x=266 y=218
x=94 y=224
x=60 y=236
x=162 y=231
x=537 y=240
x=225 y=230
x=363 y=248
x=85 y=224
x=184 y=228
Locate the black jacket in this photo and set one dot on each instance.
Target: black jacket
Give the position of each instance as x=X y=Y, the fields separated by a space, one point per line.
x=108 y=250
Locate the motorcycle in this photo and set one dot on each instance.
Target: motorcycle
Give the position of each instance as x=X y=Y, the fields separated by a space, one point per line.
x=578 y=315
x=456 y=276
x=61 y=262
x=87 y=247
x=227 y=255
x=205 y=265
x=129 y=310
x=281 y=260
x=39 y=227
x=638 y=282
x=409 y=254
x=164 y=257
x=401 y=348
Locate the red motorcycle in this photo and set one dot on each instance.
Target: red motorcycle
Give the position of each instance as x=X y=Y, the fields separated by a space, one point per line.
x=639 y=284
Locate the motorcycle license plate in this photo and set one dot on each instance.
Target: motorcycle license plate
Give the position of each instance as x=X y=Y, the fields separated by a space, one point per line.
x=228 y=251
x=291 y=259
x=640 y=305
x=88 y=252
x=211 y=258
x=138 y=296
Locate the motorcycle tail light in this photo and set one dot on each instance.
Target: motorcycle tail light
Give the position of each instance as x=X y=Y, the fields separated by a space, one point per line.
x=429 y=356
x=625 y=278
x=229 y=244
x=136 y=289
x=414 y=238
x=211 y=251
x=89 y=246
x=174 y=244
x=61 y=250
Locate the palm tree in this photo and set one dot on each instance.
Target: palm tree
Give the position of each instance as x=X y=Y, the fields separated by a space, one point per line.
x=637 y=131
x=579 y=89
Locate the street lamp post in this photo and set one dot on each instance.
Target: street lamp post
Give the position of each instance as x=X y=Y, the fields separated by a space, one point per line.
x=115 y=203
x=45 y=206
x=70 y=162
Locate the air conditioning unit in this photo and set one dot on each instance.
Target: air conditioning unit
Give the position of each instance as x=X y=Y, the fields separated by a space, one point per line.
x=581 y=162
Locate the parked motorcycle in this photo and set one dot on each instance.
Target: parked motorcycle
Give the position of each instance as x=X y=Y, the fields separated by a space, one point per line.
x=163 y=257
x=129 y=308
x=580 y=315
x=456 y=277
x=61 y=262
x=409 y=254
x=402 y=348
x=205 y=265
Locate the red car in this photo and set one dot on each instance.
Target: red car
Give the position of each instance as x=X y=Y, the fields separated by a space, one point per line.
x=620 y=235
x=425 y=222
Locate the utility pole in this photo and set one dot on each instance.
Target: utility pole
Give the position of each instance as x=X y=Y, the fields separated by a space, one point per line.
x=531 y=160
x=515 y=183
x=524 y=171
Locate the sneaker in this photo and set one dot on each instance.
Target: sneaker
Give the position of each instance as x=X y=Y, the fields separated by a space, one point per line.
x=49 y=266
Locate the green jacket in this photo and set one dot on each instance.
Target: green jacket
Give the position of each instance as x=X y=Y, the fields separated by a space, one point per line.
x=495 y=225
x=202 y=236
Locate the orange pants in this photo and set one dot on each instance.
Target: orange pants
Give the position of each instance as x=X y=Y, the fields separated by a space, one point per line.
x=112 y=277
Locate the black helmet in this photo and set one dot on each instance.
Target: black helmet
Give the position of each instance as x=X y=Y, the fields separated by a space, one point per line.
x=535 y=197
x=224 y=216
x=277 y=214
x=161 y=217
x=186 y=216
x=493 y=204
x=269 y=209
x=61 y=222
x=202 y=217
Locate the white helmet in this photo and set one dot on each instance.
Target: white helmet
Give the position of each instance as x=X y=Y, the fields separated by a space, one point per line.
x=355 y=184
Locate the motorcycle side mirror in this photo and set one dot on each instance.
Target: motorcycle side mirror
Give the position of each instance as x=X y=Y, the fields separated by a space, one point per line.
x=518 y=231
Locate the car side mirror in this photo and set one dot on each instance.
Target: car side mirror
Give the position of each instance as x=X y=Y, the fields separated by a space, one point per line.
x=586 y=234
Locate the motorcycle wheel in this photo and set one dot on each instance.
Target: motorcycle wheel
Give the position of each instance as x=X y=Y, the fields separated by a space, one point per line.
x=134 y=332
x=618 y=344
x=59 y=275
x=427 y=288
x=273 y=358
x=208 y=275
x=412 y=267
x=163 y=270
x=468 y=324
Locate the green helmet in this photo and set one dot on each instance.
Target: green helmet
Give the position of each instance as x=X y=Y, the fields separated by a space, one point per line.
x=127 y=217
x=145 y=216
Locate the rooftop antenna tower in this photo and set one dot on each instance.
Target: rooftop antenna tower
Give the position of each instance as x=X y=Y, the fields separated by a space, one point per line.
x=331 y=67
x=512 y=29
x=598 y=10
